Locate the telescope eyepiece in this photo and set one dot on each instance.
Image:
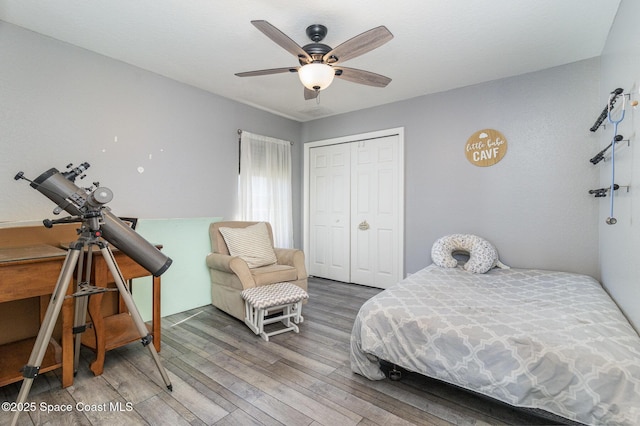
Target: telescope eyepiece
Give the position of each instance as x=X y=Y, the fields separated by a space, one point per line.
x=74 y=172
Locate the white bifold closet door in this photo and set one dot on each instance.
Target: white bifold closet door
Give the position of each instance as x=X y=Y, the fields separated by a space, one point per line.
x=354 y=212
x=330 y=212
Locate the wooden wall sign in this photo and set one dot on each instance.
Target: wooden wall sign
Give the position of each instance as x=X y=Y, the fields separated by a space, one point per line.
x=485 y=147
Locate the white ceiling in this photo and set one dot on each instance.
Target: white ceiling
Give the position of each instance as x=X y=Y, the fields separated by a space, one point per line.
x=438 y=44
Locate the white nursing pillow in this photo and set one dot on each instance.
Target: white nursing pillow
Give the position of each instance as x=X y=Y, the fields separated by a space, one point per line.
x=483 y=256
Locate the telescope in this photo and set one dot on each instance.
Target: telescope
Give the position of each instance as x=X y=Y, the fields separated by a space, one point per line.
x=89 y=205
x=98 y=224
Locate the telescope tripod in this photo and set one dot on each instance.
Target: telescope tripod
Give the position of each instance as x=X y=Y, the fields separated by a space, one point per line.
x=83 y=245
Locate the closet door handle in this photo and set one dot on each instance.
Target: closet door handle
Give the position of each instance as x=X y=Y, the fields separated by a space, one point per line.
x=363 y=226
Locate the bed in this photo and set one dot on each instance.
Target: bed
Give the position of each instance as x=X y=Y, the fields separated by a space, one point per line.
x=544 y=340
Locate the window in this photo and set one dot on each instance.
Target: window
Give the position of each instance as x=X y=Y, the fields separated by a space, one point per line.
x=264 y=186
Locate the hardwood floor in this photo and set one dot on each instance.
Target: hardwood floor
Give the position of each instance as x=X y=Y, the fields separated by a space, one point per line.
x=223 y=374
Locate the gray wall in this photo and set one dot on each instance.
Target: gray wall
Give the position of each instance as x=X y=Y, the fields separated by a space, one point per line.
x=533 y=205
x=62 y=104
x=620 y=243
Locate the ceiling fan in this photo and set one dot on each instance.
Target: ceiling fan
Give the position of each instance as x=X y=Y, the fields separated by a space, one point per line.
x=319 y=63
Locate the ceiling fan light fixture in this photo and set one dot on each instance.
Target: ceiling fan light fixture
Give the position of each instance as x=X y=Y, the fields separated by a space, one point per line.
x=316 y=76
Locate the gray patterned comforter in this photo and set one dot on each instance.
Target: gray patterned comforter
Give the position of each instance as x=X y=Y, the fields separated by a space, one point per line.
x=547 y=340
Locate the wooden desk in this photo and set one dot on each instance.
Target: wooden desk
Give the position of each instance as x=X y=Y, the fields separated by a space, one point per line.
x=112 y=331
x=27 y=272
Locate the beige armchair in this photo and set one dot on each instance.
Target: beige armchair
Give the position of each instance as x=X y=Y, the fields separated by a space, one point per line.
x=231 y=274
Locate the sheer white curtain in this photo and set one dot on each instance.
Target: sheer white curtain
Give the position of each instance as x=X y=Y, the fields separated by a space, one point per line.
x=265 y=184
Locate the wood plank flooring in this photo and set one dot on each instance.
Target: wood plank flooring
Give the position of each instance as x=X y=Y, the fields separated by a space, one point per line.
x=223 y=374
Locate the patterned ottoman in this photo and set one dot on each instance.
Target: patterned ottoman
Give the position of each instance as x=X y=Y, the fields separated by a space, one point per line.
x=260 y=302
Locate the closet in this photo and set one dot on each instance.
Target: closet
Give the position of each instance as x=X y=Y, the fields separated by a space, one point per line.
x=354 y=199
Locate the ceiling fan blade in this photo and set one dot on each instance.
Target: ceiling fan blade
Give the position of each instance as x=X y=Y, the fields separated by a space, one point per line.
x=359 y=45
x=281 y=39
x=267 y=72
x=310 y=94
x=362 y=77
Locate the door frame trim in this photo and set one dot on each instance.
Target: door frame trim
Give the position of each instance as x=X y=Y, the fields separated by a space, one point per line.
x=399 y=131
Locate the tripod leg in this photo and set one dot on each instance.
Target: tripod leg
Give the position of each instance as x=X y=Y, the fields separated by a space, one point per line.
x=80 y=317
x=135 y=314
x=30 y=371
x=79 y=326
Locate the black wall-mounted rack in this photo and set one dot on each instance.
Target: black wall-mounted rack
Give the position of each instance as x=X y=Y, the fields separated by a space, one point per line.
x=602 y=192
x=600 y=156
x=606 y=109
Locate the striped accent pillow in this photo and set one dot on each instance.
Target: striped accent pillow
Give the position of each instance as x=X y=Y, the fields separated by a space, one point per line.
x=252 y=244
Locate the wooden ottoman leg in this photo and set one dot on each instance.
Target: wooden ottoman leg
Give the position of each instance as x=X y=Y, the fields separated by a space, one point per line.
x=250 y=317
x=298 y=317
x=261 y=314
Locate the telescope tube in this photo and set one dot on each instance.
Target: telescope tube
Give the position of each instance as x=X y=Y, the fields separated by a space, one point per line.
x=53 y=185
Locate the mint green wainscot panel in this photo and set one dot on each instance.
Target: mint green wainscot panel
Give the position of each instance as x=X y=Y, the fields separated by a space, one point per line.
x=186 y=284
